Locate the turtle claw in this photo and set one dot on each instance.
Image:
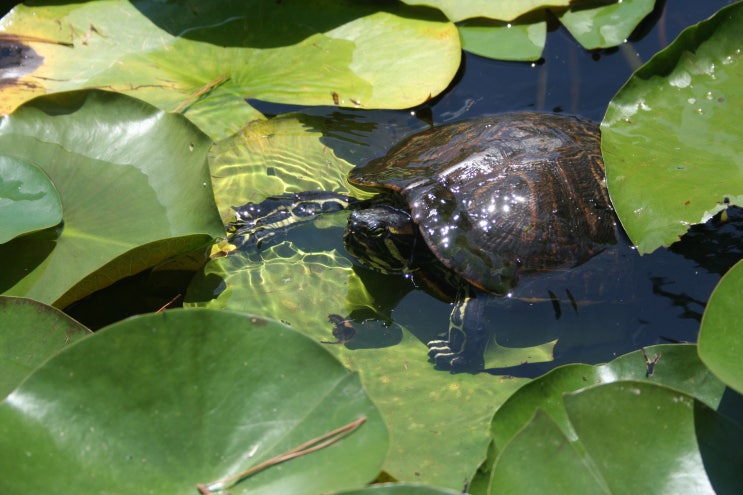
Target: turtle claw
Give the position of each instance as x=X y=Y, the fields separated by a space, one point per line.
x=439 y=351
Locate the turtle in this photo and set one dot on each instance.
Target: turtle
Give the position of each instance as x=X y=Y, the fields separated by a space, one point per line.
x=470 y=208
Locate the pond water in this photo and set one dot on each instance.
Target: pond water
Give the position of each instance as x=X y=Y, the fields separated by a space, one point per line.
x=631 y=301
x=618 y=303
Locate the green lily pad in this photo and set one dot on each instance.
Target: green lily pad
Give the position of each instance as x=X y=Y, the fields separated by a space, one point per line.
x=134 y=185
x=720 y=339
x=670 y=137
x=30 y=332
x=517 y=30
x=401 y=489
x=605 y=25
x=28 y=199
x=419 y=404
x=164 y=401
x=504 y=10
x=678 y=366
x=522 y=39
x=538 y=459
x=630 y=437
x=206 y=59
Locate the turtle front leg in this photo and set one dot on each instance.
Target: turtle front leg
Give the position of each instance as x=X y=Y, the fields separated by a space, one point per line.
x=464 y=348
x=256 y=222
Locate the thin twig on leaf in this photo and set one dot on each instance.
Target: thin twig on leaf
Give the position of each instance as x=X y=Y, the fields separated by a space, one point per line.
x=306 y=448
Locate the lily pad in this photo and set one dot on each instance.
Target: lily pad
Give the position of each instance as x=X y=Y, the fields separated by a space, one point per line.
x=522 y=39
x=720 y=340
x=31 y=332
x=164 y=401
x=507 y=10
x=207 y=58
x=670 y=137
x=401 y=489
x=678 y=366
x=538 y=459
x=605 y=25
x=630 y=437
x=134 y=185
x=28 y=199
x=516 y=30
x=419 y=403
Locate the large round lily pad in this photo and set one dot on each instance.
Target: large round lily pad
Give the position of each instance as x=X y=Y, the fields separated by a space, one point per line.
x=135 y=190
x=671 y=136
x=159 y=403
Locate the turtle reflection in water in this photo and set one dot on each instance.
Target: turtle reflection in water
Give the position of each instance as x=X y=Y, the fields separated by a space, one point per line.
x=470 y=208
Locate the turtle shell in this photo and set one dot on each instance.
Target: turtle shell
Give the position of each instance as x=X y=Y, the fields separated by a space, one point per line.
x=501 y=196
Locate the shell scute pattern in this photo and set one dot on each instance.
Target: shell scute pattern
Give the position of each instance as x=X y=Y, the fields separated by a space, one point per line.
x=503 y=196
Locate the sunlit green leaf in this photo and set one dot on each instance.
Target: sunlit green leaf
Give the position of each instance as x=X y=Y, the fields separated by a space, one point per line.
x=134 y=185
x=28 y=199
x=205 y=58
x=30 y=332
x=671 y=136
x=161 y=402
x=721 y=334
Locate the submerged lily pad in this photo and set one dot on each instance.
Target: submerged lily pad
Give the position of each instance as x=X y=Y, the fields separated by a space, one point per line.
x=28 y=199
x=272 y=157
x=30 y=332
x=206 y=58
x=134 y=185
x=283 y=283
x=671 y=136
x=162 y=402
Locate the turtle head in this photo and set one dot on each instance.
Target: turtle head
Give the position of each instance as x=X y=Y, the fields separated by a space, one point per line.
x=382 y=238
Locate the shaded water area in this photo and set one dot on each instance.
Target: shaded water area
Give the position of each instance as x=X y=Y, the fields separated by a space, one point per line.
x=611 y=305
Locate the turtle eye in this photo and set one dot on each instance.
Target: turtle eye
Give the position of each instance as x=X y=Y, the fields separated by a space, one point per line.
x=378 y=233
